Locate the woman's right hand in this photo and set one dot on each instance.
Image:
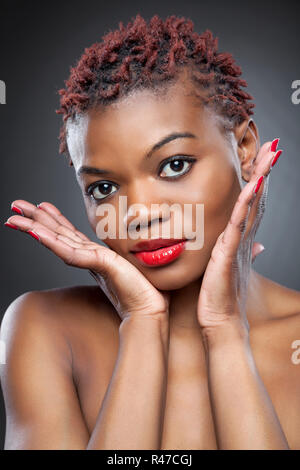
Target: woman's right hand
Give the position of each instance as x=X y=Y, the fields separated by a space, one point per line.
x=129 y=291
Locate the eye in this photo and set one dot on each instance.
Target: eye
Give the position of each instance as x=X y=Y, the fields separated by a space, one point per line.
x=176 y=167
x=100 y=190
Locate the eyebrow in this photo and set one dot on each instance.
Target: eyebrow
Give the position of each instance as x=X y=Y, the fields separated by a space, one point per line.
x=89 y=170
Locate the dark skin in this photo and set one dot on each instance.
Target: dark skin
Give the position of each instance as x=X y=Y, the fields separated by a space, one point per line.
x=214 y=357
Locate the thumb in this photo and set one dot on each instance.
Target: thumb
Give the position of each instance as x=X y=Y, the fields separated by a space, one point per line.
x=257 y=248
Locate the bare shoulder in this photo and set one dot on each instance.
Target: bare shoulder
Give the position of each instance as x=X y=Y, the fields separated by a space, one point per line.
x=282 y=302
x=277 y=333
x=286 y=301
x=61 y=306
x=69 y=316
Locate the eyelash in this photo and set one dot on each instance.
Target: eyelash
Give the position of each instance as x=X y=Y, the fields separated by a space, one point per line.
x=175 y=158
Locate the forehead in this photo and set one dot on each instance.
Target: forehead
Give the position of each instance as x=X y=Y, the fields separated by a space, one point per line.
x=138 y=120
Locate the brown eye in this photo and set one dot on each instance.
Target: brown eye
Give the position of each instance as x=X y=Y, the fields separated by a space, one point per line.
x=176 y=167
x=101 y=190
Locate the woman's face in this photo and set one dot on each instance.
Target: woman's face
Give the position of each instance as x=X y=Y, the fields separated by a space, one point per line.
x=117 y=139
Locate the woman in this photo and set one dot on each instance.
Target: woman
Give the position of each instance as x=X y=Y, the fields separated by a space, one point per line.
x=185 y=347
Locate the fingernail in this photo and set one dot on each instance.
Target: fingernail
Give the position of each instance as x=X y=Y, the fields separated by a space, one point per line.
x=260 y=180
x=16 y=209
x=34 y=235
x=276 y=157
x=11 y=225
x=273 y=146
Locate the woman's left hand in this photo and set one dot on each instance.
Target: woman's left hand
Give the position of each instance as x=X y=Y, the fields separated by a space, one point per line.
x=223 y=294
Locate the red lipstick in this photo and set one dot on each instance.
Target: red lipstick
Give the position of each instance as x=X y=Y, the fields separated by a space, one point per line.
x=158 y=252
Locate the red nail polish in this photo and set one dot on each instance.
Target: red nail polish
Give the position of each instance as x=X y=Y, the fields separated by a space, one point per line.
x=260 y=180
x=11 y=225
x=274 y=144
x=17 y=210
x=276 y=157
x=33 y=234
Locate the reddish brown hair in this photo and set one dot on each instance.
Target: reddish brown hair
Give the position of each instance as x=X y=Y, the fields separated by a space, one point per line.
x=148 y=55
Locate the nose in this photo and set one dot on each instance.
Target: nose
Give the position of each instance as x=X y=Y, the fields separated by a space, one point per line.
x=144 y=218
x=144 y=207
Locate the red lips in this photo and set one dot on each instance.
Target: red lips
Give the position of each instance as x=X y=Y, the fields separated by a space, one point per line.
x=150 y=245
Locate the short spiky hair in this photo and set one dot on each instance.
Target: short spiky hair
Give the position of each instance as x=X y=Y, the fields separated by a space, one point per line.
x=149 y=55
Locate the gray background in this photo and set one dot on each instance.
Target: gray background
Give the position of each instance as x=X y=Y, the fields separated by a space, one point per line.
x=39 y=41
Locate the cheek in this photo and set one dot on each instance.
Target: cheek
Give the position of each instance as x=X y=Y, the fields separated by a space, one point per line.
x=215 y=185
x=91 y=213
x=221 y=196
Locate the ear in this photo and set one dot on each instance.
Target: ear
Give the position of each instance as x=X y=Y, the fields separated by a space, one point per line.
x=248 y=144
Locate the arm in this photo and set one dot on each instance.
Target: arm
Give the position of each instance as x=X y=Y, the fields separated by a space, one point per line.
x=243 y=412
x=42 y=407
x=131 y=415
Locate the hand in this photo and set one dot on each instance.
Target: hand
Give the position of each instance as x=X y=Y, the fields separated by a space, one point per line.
x=125 y=286
x=223 y=292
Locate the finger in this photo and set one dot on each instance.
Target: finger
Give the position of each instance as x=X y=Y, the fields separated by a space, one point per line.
x=262 y=152
x=263 y=167
x=72 y=253
x=257 y=209
x=265 y=148
x=259 y=204
x=32 y=213
x=56 y=223
x=60 y=218
x=26 y=224
x=263 y=163
x=45 y=235
x=237 y=224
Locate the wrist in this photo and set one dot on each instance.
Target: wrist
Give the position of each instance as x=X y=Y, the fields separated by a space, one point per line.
x=144 y=328
x=232 y=332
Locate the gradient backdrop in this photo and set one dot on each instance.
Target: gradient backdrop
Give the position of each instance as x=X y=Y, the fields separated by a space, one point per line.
x=39 y=41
